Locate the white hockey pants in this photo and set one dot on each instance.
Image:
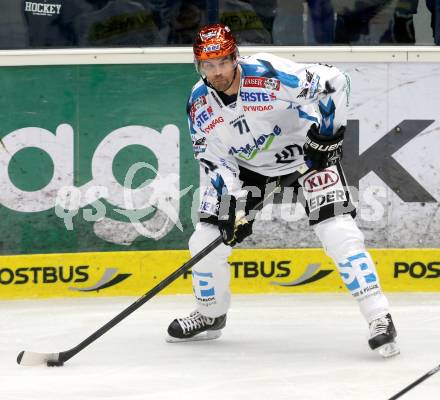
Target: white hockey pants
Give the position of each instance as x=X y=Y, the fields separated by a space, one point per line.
x=342 y=241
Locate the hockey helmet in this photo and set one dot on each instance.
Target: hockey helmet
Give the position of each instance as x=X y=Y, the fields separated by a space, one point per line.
x=212 y=41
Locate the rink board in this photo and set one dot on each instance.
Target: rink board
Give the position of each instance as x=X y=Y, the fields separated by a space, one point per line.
x=252 y=271
x=84 y=126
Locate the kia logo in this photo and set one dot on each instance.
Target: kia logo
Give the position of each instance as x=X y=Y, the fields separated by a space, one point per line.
x=320 y=180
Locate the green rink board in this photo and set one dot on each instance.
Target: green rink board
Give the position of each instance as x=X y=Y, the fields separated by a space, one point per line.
x=94 y=101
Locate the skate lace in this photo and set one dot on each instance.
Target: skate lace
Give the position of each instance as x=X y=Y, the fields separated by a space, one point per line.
x=379 y=326
x=193 y=322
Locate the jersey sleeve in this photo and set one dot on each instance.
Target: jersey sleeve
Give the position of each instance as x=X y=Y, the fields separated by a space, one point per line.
x=221 y=167
x=328 y=89
x=323 y=85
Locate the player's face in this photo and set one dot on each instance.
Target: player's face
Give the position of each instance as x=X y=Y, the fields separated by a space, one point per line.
x=219 y=72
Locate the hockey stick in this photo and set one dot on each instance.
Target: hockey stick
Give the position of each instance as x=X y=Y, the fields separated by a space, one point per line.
x=58 y=359
x=415 y=383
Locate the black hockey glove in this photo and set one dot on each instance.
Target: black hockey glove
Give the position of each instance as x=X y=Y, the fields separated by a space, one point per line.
x=321 y=151
x=232 y=223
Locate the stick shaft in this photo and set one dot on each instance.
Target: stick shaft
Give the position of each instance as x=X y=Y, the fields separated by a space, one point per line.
x=415 y=383
x=66 y=355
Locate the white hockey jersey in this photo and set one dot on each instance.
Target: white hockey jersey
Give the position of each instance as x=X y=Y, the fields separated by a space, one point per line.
x=265 y=129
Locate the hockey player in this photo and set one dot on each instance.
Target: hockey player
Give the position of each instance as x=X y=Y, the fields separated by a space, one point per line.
x=254 y=120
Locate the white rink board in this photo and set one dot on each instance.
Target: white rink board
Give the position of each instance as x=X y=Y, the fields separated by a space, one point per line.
x=382 y=96
x=305 y=347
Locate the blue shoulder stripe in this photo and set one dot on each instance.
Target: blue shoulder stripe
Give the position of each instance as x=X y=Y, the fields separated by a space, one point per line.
x=287 y=79
x=266 y=69
x=192 y=131
x=303 y=114
x=252 y=70
x=328 y=116
x=202 y=90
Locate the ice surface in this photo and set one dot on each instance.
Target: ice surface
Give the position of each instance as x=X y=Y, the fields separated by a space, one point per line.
x=274 y=347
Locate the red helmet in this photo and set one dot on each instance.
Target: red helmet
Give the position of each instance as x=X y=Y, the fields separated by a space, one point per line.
x=214 y=40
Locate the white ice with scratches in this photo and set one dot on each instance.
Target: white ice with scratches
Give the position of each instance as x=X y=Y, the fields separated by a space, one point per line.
x=274 y=347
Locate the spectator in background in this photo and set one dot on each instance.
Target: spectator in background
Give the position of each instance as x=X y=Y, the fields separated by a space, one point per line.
x=63 y=23
x=288 y=27
x=401 y=28
x=322 y=16
x=51 y=22
x=434 y=7
x=266 y=10
x=185 y=21
x=165 y=13
x=249 y=18
x=354 y=22
x=13 y=29
x=243 y=20
x=118 y=23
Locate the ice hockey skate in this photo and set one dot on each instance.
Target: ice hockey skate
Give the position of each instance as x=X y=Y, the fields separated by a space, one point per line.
x=195 y=327
x=382 y=337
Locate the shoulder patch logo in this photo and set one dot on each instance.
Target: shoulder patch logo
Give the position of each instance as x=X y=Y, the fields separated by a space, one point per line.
x=261 y=82
x=198 y=103
x=309 y=86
